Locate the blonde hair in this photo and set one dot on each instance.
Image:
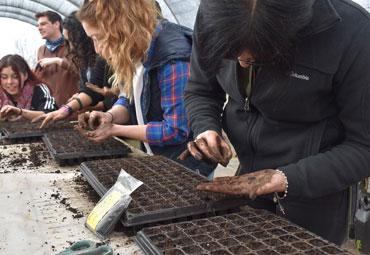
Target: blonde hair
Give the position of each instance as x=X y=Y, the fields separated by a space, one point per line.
x=128 y=27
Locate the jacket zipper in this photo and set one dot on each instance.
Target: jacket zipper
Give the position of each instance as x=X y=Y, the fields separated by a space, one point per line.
x=252 y=125
x=247 y=107
x=249 y=140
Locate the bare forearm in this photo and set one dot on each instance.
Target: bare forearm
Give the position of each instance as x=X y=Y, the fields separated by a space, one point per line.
x=85 y=100
x=29 y=114
x=136 y=132
x=98 y=107
x=120 y=114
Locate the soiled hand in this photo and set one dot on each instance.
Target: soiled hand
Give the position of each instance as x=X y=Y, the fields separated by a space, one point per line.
x=94 y=119
x=102 y=133
x=9 y=111
x=83 y=119
x=251 y=184
x=210 y=146
x=51 y=117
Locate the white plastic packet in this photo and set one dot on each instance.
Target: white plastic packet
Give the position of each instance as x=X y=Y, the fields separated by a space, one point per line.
x=111 y=206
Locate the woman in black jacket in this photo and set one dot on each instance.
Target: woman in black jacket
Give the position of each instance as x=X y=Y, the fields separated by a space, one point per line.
x=297 y=77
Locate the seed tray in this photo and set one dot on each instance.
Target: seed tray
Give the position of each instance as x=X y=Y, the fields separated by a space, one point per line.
x=27 y=131
x=169 y=190
x=252 y=232
x=70 y=148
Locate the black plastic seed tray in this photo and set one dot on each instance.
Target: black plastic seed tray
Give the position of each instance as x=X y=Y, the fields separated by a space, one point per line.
x=27 y=131
x=169 y=190
x=252 y=232
x=71 y=148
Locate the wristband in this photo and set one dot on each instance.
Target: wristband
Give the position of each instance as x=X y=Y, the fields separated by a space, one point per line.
x=67 y=109
x=20 y=113
x=276 y=197
x=79 y=102
x=286 y=186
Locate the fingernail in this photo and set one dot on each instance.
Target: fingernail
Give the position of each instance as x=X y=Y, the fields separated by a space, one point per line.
x=198 y=156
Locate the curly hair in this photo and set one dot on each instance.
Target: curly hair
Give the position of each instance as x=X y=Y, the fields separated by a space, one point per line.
x=82 y=51
x=127 y=28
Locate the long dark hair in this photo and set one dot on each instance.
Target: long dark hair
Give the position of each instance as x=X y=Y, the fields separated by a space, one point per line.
x=82 y=52
x=268 y=29
x=19 y=65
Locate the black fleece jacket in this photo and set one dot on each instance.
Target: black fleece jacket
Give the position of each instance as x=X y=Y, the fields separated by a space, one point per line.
x=314 y=124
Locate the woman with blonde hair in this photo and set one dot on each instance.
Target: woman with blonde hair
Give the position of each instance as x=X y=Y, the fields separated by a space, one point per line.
x=150 y=59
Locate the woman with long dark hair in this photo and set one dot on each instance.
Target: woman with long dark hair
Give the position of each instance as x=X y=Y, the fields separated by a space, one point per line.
x=80 y=47
x=22 y=95
x=94 y=70
x=296 y=73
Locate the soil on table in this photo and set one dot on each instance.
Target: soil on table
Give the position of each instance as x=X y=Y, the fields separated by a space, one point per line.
x=84 y=187
x=38 y=154
x=81 y=186
x=24 y=157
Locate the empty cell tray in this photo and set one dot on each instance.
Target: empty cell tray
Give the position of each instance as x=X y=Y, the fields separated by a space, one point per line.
x=252 y=232
x=26 y=131
x=70 y=148
x=169 y=190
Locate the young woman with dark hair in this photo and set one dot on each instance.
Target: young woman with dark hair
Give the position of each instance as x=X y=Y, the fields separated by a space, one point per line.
x=22 y=95
x=269 y=29
x=94 y=70
x=298 y=106
x=80 y=47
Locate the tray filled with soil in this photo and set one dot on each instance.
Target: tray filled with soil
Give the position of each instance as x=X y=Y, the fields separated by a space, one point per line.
x=71 y=148
x=169 y=191
x=251 y=232
x=25 y=131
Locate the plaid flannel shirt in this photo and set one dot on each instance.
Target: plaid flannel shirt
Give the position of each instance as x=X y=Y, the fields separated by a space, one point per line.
x=172 y=78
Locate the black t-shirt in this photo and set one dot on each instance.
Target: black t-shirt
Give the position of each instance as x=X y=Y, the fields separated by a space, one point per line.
x=99 y=76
